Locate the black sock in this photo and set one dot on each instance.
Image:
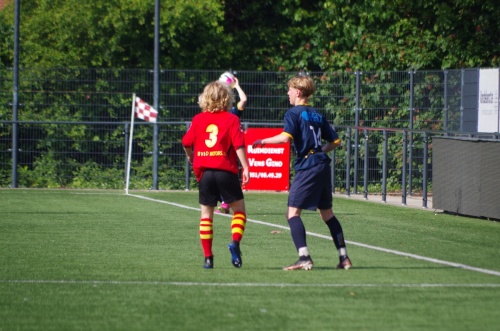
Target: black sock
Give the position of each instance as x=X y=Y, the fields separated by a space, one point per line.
x=336 y=232
x=298 y=232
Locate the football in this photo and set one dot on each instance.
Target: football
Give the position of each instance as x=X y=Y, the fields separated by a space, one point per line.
x=228 y=78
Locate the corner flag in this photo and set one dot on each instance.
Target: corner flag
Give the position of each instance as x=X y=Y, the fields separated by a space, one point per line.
x=142 y=110
x=145 y=111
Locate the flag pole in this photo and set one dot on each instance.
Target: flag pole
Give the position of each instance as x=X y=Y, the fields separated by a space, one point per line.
x=129 y=156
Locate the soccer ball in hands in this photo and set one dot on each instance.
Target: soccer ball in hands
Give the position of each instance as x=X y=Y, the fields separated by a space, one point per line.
x=228 y=78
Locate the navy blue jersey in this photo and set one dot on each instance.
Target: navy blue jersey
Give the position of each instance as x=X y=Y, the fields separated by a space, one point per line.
x=308 y=128
x=234 y=110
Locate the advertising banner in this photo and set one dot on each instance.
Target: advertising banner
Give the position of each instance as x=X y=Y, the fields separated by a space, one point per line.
x=269 y=165
x=488 y=119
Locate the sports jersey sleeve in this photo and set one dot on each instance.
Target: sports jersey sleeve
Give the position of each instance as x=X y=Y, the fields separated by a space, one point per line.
x=238 y=138
x=290 y=124
x=188 y=138
x=235 y=111
x=329 y=134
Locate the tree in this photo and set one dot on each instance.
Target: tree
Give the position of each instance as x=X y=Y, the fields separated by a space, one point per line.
x=120 y=34
x=6 y=43
x=397 y=35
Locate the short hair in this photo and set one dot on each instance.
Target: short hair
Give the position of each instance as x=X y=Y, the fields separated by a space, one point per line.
x=216 y=96
x=303 y=83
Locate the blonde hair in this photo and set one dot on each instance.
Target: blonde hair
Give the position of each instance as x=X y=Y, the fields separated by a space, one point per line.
x=216 y=96
x=304 y=84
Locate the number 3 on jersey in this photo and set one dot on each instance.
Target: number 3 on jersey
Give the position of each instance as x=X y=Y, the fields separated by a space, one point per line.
x=213 y=131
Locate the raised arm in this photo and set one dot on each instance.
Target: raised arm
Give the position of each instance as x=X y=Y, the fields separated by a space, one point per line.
x=241 y=94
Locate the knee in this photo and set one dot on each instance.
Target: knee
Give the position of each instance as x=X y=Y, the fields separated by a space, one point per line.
x=326 y=214
x=292 y=213
x=238 y=206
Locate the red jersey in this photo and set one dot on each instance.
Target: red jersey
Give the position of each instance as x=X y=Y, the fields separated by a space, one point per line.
x=214 y=137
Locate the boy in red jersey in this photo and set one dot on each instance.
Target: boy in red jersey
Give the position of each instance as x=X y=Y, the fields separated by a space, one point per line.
x=213 y=144
x=236 y=109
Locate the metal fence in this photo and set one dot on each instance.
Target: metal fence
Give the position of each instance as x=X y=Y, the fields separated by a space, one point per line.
x=93 y=155
x=426 y=100
x=73 y=125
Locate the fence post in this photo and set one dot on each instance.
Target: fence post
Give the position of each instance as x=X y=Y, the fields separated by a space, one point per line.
x=187 y=176
x=365 y=166
x=348 y=164
x=334 y=157
x=155 y=157
x=424 y=172
x=156 y=91
x=356 y=133
x=412 y=111
x=462 y=91
x=15 y=148
x=403 y=172
x=384 y=168
x=15 y=96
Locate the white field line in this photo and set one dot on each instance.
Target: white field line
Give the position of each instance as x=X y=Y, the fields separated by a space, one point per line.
x=159 y=283
x=381 y=249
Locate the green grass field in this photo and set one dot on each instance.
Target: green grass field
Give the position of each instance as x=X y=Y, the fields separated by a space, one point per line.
x=101 y=260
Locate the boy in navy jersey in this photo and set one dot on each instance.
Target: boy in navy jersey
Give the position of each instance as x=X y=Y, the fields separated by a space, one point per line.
x=311 y=188
x=213 y=144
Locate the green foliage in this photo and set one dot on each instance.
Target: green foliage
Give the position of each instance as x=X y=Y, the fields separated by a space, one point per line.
x=119 y=34
x=5 y=177
x=193 y=35
x=6 y=43
x=381 y=35
x=93 y=175
x=285 y=35
x=174 y=179
x=46 y=172
x=141 y=173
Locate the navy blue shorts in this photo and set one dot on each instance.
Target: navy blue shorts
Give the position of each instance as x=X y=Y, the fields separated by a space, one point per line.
x=312 y=188
x=219 y=184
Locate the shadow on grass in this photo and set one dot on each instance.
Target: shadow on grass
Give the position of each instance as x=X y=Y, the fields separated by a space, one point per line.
x=330 y=268
x=385 y=268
